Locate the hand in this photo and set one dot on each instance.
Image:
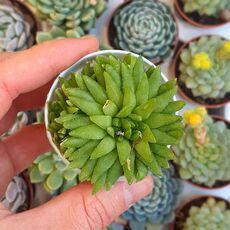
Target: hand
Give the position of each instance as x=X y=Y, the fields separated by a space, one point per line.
x=25 y=79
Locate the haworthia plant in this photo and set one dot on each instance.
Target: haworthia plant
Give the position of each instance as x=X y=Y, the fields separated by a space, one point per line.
x=146 y=28
x=16 y=197
x=159 y=206
x=15 y=31
x=53 y=173
x=205 y=69
x=207 y=7
x=203 y=153
x=212 y=215
x=115 y=118
x=75 y=16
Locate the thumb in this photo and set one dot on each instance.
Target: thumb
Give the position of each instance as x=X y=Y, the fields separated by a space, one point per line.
x=77 y=209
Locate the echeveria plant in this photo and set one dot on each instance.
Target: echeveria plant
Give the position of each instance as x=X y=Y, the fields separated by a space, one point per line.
x=146 y=28
x=159 y=206
x=205 y=67
x=75 y=16
x=203 y=153
x=15 y=31
x=115 y=118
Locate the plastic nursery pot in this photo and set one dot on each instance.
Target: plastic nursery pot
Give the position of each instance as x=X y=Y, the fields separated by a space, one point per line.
x=218 y=184
x=112 y=31
x=76 y=68
x=196 y=20
x=187 y=93
x=183 y=212
x=28 y=15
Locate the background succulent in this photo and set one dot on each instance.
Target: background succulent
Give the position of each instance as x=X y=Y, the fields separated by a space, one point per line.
x=212 y=215
x=15 y=31
x=146 y=28
x=207 y=7
x=52 y=172
x=203 y=70
x=115 y=118
x=203 y=153
x=75 y=16
x=159 y=206
x=16 y=197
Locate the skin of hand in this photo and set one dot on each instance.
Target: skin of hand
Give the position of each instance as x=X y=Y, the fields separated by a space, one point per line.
x=25 y=80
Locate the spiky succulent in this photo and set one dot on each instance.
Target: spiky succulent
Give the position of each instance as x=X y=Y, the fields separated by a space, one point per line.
x=53 y=173
x=211 y=215
x=203 y=153
x=16 y=197
x=75 y=16
x=206 y=7
x=159 y=206
x=15 y=31
x=115 y=118
x=146 y=28
x=205 y=67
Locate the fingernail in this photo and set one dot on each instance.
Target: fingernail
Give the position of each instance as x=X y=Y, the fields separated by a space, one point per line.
x=137 y=191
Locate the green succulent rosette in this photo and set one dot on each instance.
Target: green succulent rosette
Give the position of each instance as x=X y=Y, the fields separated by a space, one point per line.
x=15 y=31
x=206 y=7
x=205 y=67
x=115 y=118
x=211 y=215
x=203 y=153
x=75 y=16
x=146 y=28
x=49 y=170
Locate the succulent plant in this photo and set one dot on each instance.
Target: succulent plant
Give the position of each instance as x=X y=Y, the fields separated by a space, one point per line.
x=203 y=153
x=207 y=7
x=115 y=118
x=205 y=67
x=159 y=206
x=16 y=196
x=146 y=28
x=212 y=215
x=15 y=31
x=75 y=16
x=53 y=173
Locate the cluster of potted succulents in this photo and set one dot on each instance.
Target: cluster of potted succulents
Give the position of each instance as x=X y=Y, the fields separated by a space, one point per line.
x=203 y=70
x=147 y=28
x=203 y=156
x=203 y=213
x=17 y=26
x=206 y=13
x=114 y=118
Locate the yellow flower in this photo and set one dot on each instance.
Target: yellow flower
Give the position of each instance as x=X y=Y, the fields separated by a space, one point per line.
x=201 y=61
x=195 y=119
x=226 y=46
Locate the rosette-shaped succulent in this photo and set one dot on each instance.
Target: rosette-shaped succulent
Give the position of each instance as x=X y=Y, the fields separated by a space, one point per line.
x=115 y=118
x=16 y=197
x=15 y=31
x=146 y=28
x=75 y=16
x=207 y=7
x=212 y=215
x=53 y=173
x=203 y=153
x=205 y=67
x=159 y=206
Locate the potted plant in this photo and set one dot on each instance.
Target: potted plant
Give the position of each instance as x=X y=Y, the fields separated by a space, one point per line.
x=202 y=67
x=17 y=32
x=204 y=14
x=111 y=115
x=74 y=16
x=203 y=155
x=19 y=194
x=203 y=213
x=158 y=207
x=147 y=28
